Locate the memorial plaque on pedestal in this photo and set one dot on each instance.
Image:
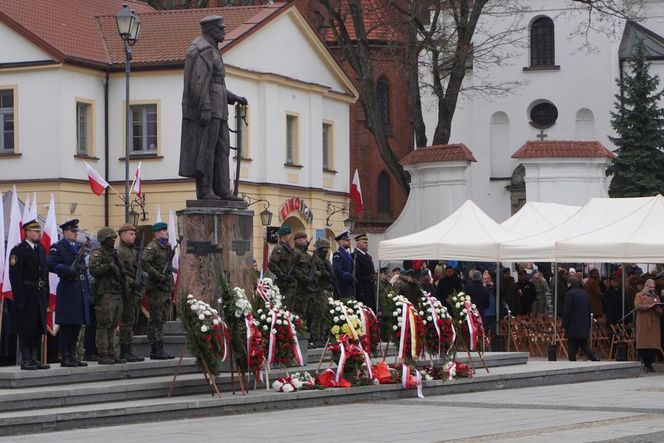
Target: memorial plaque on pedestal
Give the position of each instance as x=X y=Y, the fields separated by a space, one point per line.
x=216 y=239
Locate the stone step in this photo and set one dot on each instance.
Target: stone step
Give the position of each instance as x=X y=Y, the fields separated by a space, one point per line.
x=174 y=328
x=537 y=373
x=190 y=381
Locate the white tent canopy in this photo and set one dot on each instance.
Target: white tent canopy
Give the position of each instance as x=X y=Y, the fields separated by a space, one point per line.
x=536 y=217
x=467 y=234
x=596 y=214
x=636 y=237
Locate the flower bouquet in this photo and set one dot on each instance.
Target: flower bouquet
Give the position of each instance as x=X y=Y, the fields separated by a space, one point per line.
x=469 y=320
x=346 y=342
x=277 y=324
x=438 y=325
x=295 y=382
x=369 y=324
x=206 y=332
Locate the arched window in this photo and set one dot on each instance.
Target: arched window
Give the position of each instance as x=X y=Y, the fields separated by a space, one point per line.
x=542 y=48
x=383 y=93
x=384 y=194
x=585 y=125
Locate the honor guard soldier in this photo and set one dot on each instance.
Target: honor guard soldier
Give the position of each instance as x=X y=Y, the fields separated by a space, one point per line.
x=365 y=273
x=67 y=259
x=342 y=263
x=129 y=254
x=109 y=290
x=306 y=282
x=318 y=303
x=28 y=274
x=281 y=264
x=159 y=288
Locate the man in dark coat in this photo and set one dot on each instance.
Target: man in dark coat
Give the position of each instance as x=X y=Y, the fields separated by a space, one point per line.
x=73 y=294
x=525 y=294
x=479 y=294
x=365 y=273
x=205 y=144
x=28 y=275
x=342 y=263
x=447 y=285
x=576 y=320
x=281 y=264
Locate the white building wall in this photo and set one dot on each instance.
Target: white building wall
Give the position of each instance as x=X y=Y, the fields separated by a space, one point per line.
x=16 y=49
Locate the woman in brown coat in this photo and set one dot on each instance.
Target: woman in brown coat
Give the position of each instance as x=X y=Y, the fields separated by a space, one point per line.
x=647 y=324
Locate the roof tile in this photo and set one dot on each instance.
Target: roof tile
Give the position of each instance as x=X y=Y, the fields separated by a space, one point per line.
x=439 y=153
x=563 y=148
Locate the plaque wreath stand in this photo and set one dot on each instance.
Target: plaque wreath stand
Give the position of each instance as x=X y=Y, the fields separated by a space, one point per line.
x=217 y=237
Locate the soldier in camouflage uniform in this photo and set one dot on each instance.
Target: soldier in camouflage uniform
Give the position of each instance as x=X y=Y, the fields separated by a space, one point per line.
x=108 y=290
x=319 y=330
x=305 y=281
x=159 y=289
x=280 y=264
x=129 y=256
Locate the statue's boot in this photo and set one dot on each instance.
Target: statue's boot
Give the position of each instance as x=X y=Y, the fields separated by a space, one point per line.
x=204 y=189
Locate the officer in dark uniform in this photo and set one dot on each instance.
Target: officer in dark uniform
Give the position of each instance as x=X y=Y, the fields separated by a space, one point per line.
x=342 y=263
x=281 y=264
x=365 y=273
x=66 y=259
x=28 y=275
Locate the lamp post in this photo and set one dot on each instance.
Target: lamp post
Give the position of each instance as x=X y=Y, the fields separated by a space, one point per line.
x=128 y=28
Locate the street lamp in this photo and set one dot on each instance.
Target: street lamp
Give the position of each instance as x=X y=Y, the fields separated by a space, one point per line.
x=128 y=28
x=349 y=224
x=266 y=217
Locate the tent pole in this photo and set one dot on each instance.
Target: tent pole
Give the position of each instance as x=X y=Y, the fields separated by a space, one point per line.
x=622 y=278
x=497 y=298
x=377 y=287
x=555 y=301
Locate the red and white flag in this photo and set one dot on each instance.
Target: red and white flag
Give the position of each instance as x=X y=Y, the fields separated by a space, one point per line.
x=355 y=194
x=49 y=237
x=34 y=213
x=2 y=243
x=13 y=239
x=97 y=182
x=137 y=181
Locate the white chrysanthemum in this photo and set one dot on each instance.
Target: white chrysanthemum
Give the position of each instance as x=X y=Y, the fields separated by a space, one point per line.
x=201 y=317
x=193 y=308
x=263 y=317
x=338 y=308
x=424 y=322
x=274 y=331
x=429 y=318
x=395 y=313
x=395 y=327
x=342 y=317
x=204 y=328
x=335 y=319
x=421 y=313
x=458 y=305
x=265 y=328
x=190 y=296
x=279 y=322
x=287 y=388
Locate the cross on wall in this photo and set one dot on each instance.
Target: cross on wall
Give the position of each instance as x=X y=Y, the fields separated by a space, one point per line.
x=542 y=135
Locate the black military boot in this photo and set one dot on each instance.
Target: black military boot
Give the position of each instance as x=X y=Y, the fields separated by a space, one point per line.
x=35 y=353
x=106 y=359
x=26 y=360
x=166 y=354
x=134 y=356
x=67 y=361
x=155 y=352
x=72 y=352
x=125 y=353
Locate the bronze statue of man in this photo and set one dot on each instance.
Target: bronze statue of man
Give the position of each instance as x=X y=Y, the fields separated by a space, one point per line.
x=205 y=144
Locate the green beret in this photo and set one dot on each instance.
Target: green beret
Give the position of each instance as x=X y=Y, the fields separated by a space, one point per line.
x=284 y=230
x=159 y=226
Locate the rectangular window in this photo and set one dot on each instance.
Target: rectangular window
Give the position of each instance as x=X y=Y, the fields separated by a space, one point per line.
x=143 y=129
x=83 y=128
x=7 y=120
x=328 y=147
x=292 y=139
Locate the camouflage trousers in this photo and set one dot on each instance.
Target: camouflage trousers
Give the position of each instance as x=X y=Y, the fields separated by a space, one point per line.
x=128 y=319
x=160 y=305
x=318 y=328
x=108 y=310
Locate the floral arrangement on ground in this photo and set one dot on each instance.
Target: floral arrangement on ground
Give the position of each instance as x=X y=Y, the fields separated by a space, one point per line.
x=469 y=321
x=207 y=333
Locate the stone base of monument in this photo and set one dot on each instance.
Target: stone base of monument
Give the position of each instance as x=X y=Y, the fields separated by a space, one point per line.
x=217 y=240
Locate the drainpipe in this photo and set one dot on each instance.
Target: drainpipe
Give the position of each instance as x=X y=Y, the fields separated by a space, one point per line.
x=106 y=146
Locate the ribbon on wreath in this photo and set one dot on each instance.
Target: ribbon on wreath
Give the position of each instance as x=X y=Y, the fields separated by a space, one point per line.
x=342 y=359
x=249 y=323
x=296 y=343
x=435 y=317
x=273 y=339
x=472 y=327
x=261 y=290
x=408 y=325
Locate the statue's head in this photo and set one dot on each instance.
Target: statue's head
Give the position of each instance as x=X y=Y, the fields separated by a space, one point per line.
x=213 y=26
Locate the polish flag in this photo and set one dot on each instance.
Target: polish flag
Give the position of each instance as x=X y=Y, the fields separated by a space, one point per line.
x=97 y=182
x=25 y=217
x=2 y=244
x=33 y=208
x=13 y=239
x=355 y=194
x=49 y=237
x=137 y=181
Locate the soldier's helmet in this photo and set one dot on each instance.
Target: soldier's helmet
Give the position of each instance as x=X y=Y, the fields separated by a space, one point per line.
x=105 y=233
x=322 y=243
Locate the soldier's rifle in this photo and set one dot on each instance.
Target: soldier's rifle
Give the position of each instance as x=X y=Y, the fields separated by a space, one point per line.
x=121 y=275
x=312 y=281
x=140 y=275
x=297 y=259
x=168 y=267
x=78 y=264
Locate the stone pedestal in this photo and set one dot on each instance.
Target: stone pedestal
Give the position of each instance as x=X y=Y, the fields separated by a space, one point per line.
x=215 y=239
